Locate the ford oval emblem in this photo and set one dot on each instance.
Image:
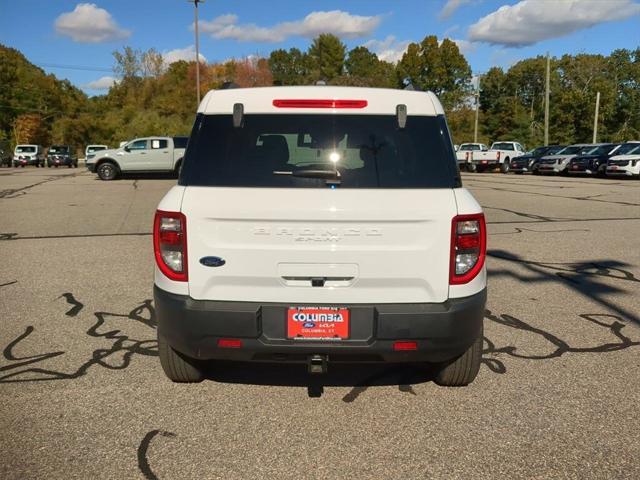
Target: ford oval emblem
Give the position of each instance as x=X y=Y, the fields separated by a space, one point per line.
x=308 y=325
x=212 y=261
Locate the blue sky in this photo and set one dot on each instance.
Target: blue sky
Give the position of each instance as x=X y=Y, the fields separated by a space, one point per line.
x=54 y=33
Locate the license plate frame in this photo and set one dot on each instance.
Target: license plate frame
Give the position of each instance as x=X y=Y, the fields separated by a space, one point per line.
x=318 y=323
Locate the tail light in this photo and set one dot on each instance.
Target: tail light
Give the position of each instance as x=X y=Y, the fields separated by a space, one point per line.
x=170 y=244
x=466 y=157
x=468 y=247
x=498 y=156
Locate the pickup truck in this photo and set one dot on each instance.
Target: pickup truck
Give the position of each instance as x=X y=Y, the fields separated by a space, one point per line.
x=465 y=153
x=499 y=155
x=148 y=154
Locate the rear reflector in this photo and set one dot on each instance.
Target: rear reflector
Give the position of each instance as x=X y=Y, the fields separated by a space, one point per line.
x=230 y=343
x=404 y=346
x=319 y=103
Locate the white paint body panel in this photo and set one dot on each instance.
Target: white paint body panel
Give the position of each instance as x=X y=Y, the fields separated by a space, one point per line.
x=627 y=170
x=371 y=245
x=380 y=100
x=375 y=246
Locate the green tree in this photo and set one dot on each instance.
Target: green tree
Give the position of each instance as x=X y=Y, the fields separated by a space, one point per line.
x=288 y=67
x=438 y=67
x=326 y=57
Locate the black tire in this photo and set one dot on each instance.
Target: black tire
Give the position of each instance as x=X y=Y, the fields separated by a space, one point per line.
x=56 y=166
x=107 y=171
x=177 y=367
x=505 y=166
x=464 y=369
x=471 y=167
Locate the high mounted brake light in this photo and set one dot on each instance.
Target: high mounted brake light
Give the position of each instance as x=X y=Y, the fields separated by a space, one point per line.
x=319 y=103
x=468 y=247
x=170 y=244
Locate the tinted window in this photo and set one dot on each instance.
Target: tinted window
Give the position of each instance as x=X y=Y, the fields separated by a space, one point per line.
x=59 y=149
x=469 y=146
x=628 y=148
x=138 y=145
x=158 y=143
x=95 y=149
x=180 y=142
x=27 y=149
x=570 y=150
x=368 y=151
x=502 y=146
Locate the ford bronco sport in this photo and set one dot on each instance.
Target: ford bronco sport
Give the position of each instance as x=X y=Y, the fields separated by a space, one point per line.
x=319 y=225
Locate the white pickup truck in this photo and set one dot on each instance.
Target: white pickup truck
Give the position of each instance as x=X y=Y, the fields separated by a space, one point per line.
x=148 y=154
x=465 y=153
x=500 y=154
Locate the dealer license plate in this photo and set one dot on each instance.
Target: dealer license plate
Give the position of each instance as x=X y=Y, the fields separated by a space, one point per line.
x=318 y=323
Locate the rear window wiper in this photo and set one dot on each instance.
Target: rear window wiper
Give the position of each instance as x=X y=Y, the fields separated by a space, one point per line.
x=331 y=176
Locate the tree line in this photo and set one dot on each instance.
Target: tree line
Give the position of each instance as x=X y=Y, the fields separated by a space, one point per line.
x=152 y=98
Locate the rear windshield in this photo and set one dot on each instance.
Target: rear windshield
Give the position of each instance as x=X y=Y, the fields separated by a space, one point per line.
x=59 y=149
x=469 y=146
x=25 y=149
x=357 y=151
x=502 y=146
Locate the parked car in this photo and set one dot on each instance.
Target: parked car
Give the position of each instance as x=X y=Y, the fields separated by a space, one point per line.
x=464 y=154
x=499 y=155
x=626 y=161
x=149 y=154
x=24 y=155
x=313 y=224
x=528 y=163
x=594 y=162
x=90 y=151
x=559 y=163
x=62 y=156
x=5 y=159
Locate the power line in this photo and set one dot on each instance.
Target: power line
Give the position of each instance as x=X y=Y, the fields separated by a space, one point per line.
x=75 y=67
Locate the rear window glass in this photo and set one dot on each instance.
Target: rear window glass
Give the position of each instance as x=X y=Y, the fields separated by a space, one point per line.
x=502 y=146
x=366 y=151
x=25 y=149
x=180 y=142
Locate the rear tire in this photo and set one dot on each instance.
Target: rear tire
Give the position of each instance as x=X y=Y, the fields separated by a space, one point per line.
x=177 y=367
x=504 y=166
x=471 y=167
x=464 y=369
x=107 y=171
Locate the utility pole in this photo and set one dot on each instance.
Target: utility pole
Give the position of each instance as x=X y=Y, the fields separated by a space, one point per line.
x=546 y=102
x=195 y=12
x=595 y=119
x=475 y=128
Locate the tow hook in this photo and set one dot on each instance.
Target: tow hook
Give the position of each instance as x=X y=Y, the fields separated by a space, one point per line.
x=317 y=364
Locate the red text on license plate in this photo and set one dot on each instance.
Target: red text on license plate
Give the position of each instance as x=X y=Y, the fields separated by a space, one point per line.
x=318 y=323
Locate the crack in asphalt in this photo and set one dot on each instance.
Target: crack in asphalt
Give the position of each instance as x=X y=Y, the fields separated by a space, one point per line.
x=18 y=192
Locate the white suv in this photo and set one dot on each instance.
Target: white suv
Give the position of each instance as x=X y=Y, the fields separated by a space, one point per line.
x=320 y=224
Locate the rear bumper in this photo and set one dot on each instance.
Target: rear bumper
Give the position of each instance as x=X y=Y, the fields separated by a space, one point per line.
x=442 y=331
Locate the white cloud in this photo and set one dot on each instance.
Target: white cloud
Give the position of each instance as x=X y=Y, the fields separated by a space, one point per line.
x=342 y=24
x=529 y=22
x=465 y=46
x=450 y=7
x=188 y=54
x=103 y=83
x=390 y=49
x=89 y=24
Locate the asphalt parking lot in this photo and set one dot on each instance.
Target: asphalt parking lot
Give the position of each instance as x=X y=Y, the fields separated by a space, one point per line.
x=83 y=394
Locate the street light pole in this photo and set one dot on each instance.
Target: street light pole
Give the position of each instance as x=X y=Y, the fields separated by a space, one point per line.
x=195 y=14
x=546 y=102
x=475 y=127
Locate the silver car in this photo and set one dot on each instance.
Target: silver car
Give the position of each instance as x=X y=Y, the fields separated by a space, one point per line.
x=559 y=163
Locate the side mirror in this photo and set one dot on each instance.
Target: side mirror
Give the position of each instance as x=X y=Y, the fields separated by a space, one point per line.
x=126 y=148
